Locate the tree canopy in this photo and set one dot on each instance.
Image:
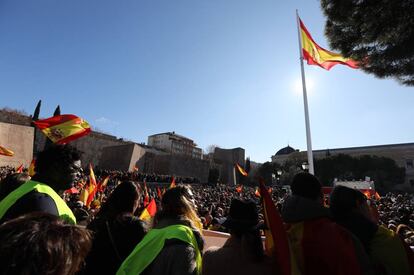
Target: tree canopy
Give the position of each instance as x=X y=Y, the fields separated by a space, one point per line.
x=377 y=33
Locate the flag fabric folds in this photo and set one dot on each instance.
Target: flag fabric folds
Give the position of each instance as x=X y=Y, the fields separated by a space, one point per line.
x=316 y=55
x=92 y=188
x=6 y=152
x=239 y=189
x=32 y=168
x=63 y=128
x=149 y=211
x=241 y=170
x=172 y=185
x=19 y=169
x=276 y=243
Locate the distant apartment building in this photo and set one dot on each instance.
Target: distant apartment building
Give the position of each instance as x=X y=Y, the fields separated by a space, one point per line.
x=175 y=144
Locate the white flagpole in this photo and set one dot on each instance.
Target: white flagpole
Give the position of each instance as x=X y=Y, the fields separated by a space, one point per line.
x=234 y=175
x=305 y=101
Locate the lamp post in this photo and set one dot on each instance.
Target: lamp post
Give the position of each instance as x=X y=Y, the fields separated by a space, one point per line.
x=279 y=173
x=305 y=166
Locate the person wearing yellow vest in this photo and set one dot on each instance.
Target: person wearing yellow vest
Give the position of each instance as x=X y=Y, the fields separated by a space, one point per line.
x=174 y=244
x=57 y=168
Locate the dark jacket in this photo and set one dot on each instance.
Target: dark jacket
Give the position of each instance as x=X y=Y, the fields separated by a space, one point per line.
x=229 y=259
x=177 y=257
x=113 y=241
x=321 y=246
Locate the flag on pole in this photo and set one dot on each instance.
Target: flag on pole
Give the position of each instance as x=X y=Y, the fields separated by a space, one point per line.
x=316 y=55
x=32 y=168
x=6 y=152
x=19 y=169
x=276 y=243
x=239 y=189
x=92 y=188
x=102 y=185
x=63 y=128
x=241 y=170
x=159 y=194
x=172 y=185
x=149 y=211
x=257 y=193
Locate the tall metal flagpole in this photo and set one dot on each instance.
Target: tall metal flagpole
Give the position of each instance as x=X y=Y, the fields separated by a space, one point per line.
x=305 y=101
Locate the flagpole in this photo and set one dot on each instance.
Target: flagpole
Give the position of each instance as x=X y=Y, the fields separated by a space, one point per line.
x=234 y=175
x=305 y=101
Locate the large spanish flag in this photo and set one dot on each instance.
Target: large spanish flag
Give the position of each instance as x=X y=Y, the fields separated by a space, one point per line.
x=63 y=128
x=276 y=242
x=316 y=55
x=6 y=152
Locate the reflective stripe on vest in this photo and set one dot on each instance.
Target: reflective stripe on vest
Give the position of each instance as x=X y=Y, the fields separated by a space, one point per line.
x=64 y=211
x=152 y=244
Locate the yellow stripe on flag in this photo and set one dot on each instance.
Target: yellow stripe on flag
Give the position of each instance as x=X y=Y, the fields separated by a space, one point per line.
x=63 y=130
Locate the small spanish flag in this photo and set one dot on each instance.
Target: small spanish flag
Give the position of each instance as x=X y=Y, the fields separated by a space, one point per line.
x=257 y=193
x=316 y=55
x=93 y=187
x=172 y=185
x=63 y=128
x=135 y=168
x=32 y=168
x=239 y=189
x=241 y=170
x=149 y=211
x=102 y=185
x=159 y=194
x=6 y=152
x=19 y=169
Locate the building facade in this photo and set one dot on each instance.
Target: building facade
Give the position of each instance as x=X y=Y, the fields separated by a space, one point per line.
x=175 y=145
x=402 y=154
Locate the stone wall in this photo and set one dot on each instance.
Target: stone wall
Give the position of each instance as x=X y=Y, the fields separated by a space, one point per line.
x=19 y=139
x=181 y=166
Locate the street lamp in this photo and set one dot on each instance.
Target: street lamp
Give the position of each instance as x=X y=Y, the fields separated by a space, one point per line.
x=305 y=166
x=279 y=173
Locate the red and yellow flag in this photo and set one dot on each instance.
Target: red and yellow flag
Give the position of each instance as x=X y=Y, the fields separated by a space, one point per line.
x=135 y=168
x=276 y=243
x=257 y=193
x=6 y=152
x=172 y=185
x=102 y=185
x=149 y=211
x=32 y=168
x=19 y=169
x=241 y=170
x=159 y=194
x=239 y=189
x=316 y=55
x=63 y=128
x=92 y=188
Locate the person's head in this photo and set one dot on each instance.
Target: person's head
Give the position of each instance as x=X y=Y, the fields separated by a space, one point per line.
x=345 y=200
x=124 y=199
x=179 y=202
x=40 y=243
x=58 y=166
x=306 y=185
x=243 y=224
x=11 y=182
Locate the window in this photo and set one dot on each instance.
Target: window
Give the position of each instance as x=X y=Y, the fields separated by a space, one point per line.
x=409 y=163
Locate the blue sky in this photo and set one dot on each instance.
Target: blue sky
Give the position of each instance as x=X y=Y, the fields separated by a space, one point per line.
x=222 y=72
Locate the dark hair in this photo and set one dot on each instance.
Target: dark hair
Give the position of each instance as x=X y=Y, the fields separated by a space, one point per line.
x=306 y=185
x=40 y=243
x=56 y=154
x=11 y=183
x=122 y=200
x=344 y=200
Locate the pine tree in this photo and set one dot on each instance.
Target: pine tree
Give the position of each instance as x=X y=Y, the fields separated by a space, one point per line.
x=379 y=34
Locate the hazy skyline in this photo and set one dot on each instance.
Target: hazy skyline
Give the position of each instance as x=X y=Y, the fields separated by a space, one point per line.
x=218 y=72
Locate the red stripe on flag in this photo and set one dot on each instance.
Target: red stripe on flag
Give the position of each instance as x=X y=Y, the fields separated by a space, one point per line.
x=56 y=120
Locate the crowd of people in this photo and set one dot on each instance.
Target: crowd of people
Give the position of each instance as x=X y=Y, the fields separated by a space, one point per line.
x=44 y=229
